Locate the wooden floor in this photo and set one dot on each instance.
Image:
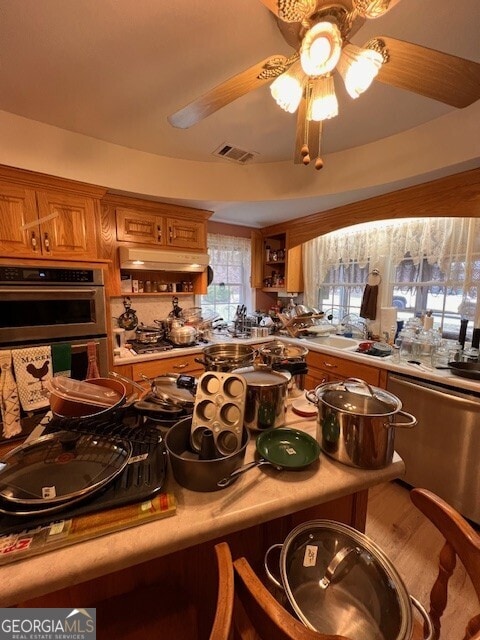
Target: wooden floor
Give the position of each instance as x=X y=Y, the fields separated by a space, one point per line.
x=412 y=543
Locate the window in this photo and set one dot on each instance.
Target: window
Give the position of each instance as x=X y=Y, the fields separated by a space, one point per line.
x=426 y=265
x=230 y=261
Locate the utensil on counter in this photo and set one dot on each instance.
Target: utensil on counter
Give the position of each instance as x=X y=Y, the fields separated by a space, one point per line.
x=281 y=448
x=189 y=470
x=339 y=582
x=356 y=421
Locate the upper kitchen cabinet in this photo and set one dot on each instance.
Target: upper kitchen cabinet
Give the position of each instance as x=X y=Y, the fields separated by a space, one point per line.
x=282 y=267
x=186 y=234
x=38 y=222
x=137 y=226
x=158 y=224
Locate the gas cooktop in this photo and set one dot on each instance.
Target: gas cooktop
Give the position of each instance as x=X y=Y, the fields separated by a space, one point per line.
x=142 y=478
x=161 y=345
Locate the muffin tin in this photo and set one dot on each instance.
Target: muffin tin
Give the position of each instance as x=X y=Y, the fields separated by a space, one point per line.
x=220 y=407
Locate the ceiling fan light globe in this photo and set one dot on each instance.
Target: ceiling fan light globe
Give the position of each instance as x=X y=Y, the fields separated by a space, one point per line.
x=287 y=89
x=358 y=68
x=323 y=104
x=321 y=49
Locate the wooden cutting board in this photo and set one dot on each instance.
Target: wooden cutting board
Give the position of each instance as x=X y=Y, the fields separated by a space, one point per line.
x=62 y=533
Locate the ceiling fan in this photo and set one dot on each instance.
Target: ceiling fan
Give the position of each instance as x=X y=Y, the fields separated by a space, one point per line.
x=319 y=32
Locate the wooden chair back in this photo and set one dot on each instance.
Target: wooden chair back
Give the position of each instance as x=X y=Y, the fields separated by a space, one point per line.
x=258 y=616
x=462 y=542
x=222 y=624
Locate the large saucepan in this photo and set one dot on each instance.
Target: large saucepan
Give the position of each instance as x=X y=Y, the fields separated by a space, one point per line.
x=227 y=357
x=340 y=583
x=356 y=422
x=284 y=448
x=265 y=405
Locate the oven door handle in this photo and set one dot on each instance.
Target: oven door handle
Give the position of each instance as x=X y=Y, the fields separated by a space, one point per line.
x=41 y=289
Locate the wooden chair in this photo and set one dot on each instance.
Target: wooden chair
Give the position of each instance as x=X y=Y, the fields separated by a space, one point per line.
x=222 y=625
x=461 y=541
x=258 y=616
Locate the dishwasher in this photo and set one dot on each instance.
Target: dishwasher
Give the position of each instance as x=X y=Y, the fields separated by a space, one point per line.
x=442 y=452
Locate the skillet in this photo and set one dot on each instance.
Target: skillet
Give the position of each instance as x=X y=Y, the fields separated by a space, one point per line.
x=465 y=369
x=281 y=448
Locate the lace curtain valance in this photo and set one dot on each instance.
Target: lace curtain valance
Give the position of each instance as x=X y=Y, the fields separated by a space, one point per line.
x=218 y=242
x=452 y=243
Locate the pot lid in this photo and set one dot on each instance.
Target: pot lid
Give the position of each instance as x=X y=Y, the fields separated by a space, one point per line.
x=284 y=350
x=340 y=582
x=59 y=468
x=358 y=398
x=262 y=377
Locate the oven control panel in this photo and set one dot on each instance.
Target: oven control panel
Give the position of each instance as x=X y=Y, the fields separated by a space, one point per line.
x=50 y=275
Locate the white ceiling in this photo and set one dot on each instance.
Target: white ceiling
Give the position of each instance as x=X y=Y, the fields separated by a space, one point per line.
x=115 y=69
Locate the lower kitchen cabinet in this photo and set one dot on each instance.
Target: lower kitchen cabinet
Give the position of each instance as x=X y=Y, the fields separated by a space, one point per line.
x=323 y=367
x=185 y=363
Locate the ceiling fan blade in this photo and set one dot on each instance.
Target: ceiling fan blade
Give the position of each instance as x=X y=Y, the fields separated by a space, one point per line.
x=228 y=91
x=300 y=138
x=291 y=10
x=434 y=74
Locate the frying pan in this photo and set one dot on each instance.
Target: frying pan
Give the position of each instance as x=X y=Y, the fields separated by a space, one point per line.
x=56 y=470
x=465 y=369
x=282 y=448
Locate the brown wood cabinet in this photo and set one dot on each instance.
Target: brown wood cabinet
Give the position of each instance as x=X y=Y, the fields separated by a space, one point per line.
x=324 y=368
x=182 y=363
x=186 y=234
x=46 y=223
x=282 y=267
x=157 y=224
x=135 y=226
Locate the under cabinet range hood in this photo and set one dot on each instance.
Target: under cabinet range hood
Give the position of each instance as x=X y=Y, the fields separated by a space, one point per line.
x=159 y=260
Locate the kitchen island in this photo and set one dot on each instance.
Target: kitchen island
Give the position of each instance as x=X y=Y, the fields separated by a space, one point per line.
x=175 y=555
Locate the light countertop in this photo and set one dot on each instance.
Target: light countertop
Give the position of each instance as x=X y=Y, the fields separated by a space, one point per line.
x=258 y=496
x=438 y=376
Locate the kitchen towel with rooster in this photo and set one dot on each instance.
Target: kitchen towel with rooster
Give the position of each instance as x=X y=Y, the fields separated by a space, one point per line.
x=33 y=365
x=9 y=396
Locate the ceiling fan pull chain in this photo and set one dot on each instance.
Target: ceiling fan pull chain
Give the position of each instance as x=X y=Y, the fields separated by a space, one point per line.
x=305 y=150
x=319 y=161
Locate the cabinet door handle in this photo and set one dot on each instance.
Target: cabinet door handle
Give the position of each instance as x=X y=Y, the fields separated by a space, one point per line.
x=46 y=242
x=159 y=233
x=170 y=233
x=329 y=365
x=33 y=241
x=180 y=366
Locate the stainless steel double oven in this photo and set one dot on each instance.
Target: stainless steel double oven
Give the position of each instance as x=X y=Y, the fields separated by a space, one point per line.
x=55 y=305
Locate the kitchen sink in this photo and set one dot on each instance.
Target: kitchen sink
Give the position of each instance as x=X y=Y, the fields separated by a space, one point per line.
x=339 y=342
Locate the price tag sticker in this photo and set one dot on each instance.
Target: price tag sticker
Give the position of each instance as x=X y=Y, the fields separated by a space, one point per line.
x=310 y=556
x=49 y=492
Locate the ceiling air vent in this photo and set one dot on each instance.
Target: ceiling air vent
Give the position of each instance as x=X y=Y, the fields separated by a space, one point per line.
x=234 y=154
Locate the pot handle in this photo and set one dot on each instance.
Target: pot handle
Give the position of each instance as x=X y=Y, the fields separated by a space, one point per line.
x=226 y=482
x=428 y=626
x=311 y=397
x=202 y=362
x=405 y=425
x=268 y=571
x=342 y=558
x=138 y=386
